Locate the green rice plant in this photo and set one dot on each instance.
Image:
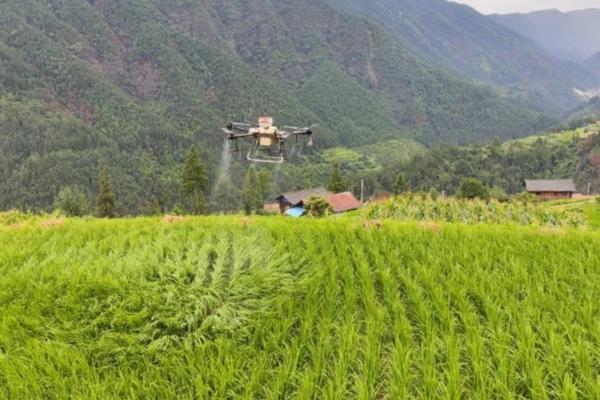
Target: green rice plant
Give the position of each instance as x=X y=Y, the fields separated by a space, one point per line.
x=272 y=308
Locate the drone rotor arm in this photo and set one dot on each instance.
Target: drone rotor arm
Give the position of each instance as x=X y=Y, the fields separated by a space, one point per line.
x=240 y=127
x=235 y=136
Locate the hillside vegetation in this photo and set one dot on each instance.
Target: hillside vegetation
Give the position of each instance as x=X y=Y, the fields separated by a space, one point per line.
x=588 y=109
x=568 y=154
x=370 y=163
x=269 y=308
x=132 y=84
x=593 y=63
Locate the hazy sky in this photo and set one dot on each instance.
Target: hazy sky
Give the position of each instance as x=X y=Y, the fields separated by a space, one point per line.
x=508 y=6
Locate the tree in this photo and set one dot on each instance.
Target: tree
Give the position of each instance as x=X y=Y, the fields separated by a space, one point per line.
x=499 y=194
x=471 y=188
x=401 y=185
x=72 y=201
x=337 y=183
x=106 y=197
x=251 y=192
x=318 y=206
x=194 y=181
x=265 y=184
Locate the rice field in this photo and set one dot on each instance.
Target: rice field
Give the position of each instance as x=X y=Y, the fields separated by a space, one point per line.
x=268 y=308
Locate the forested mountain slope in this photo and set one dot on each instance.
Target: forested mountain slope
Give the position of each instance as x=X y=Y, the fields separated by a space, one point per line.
x=576 y=40
x=134 y=83
x=593 y=63
x=461 y=39
x=590 y=109
x=564 y=155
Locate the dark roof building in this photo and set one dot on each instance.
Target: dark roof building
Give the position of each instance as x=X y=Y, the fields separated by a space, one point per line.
x=296 y=198
x=550 y=189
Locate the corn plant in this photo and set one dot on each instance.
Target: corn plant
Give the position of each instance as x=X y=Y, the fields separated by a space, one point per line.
x=411 y=208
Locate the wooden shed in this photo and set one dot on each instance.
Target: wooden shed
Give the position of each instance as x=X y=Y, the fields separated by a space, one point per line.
x=554 y=189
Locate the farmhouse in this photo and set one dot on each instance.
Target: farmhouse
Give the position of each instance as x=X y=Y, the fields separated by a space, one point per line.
x=551 y=189
x=292 y=203
x=297 y=199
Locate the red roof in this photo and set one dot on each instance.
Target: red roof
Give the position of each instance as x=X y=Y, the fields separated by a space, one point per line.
x=343 y=202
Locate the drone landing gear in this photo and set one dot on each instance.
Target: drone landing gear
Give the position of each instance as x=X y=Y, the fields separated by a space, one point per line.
x=274 y=154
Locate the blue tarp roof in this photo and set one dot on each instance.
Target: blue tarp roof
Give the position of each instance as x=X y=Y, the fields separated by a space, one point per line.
x=295 y=212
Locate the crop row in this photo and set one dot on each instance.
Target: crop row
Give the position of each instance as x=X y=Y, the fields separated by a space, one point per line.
x=410 y=208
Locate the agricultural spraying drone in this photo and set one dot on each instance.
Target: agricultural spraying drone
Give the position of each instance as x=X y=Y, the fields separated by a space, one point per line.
x=268 y=141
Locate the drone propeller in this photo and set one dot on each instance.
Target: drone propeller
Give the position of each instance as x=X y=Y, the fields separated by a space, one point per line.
x=297 y=129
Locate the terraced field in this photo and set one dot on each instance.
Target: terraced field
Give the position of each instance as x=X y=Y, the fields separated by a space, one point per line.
x=271 y=308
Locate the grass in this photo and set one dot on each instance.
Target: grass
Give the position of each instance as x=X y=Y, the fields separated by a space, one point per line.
x=231 y=307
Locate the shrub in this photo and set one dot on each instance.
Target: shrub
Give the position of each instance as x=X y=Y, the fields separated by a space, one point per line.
x=72 y=201
x=525 y=198
x=499 y=194
x=318 y=207
x=471 y=188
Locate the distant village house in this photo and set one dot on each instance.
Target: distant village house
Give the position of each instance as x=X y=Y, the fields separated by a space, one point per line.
x=292 y=203
x=551 y=189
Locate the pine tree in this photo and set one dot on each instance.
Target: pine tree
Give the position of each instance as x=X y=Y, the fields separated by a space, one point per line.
x=265 y=184
x=337 y=183
x=106 y=197
x=400 y=186
x=251 y=192
x=194 y=181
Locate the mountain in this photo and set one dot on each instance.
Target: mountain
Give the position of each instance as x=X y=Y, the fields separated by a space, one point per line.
x=460 y=39
x=571 y=36
x=132 y=84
